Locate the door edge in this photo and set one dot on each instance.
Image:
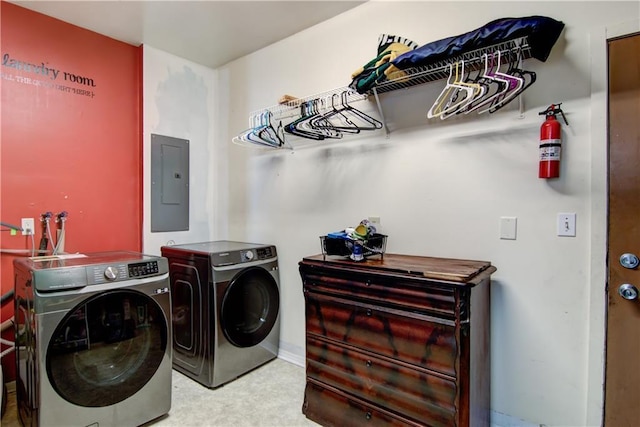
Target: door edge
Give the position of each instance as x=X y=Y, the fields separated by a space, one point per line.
x=599 y=212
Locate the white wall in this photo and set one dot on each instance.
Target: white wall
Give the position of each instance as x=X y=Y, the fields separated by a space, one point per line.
x=179 y=101
x=440 y=187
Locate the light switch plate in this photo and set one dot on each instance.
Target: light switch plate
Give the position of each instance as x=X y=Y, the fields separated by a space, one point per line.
x=567 y=224
x=508 y=227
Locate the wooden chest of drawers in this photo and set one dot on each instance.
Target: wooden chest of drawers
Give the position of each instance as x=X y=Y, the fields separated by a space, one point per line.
x=402 y=340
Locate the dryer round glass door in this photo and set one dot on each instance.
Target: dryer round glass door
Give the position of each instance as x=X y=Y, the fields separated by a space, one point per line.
x=250 y=307
x=107 y=348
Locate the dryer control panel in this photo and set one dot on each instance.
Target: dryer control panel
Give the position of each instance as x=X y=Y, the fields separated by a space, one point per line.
x=266 y=253
x=244 y=255
x=257 y=254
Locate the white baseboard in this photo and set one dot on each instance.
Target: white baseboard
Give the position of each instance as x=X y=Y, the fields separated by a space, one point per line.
x=291 y=357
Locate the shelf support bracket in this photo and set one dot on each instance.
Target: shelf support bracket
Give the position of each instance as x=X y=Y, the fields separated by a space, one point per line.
x=520 y=98
x=384 y=122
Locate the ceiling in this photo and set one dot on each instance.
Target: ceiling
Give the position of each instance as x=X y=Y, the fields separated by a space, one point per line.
x=209 y=32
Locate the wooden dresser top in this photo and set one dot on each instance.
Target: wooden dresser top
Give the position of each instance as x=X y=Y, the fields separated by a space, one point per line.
x=449 y=269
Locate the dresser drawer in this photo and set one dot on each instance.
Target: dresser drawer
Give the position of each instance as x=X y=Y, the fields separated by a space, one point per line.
x=410 y=337
x=426 y=398
x=379 y=289
x=332 y=408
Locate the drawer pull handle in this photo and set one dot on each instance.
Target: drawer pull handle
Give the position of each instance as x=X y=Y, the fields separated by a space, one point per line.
x=368 y=415
x=368 y=283
x=369 y=312
x=369 y=363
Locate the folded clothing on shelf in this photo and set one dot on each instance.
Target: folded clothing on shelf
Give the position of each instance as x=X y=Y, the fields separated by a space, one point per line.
x=542 y=33
x=381 y=68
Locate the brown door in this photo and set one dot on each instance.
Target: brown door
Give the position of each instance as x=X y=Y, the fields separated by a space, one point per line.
x=622 y=381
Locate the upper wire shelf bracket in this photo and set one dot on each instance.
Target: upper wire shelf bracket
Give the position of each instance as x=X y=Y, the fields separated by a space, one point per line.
x=440 y=70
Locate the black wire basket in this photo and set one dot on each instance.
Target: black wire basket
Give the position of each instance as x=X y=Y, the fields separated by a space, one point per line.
x=354 y=249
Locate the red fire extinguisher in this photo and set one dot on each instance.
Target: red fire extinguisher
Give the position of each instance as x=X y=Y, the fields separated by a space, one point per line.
x=550 y=142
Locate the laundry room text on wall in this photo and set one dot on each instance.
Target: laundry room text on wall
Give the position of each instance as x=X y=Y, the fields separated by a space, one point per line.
x=49 y=74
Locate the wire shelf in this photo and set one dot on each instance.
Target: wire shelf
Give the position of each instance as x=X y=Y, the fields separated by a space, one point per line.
x=292 y=108
x=512 y=50
x=440 y=70
x=322 y=102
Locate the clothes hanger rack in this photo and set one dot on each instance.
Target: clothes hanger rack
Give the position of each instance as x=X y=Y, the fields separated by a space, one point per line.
x=312 y=117
x=310 y=107
x=440 y=70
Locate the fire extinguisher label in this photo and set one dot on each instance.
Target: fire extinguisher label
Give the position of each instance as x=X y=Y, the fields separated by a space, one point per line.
x=550 y=150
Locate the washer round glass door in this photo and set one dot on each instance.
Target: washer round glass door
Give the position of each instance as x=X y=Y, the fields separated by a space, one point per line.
x=106 y=349
x=250 y=307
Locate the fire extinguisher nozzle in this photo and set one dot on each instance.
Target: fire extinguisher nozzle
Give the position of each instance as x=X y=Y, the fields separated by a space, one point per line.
x=550 y=110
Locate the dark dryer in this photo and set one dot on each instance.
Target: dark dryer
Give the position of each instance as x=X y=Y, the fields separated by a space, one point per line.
x=226 y=303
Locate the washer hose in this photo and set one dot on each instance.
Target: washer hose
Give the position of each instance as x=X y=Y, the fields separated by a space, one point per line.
x=6 y=297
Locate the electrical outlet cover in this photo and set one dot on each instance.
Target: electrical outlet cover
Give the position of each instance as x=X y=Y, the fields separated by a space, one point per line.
x=28 y=226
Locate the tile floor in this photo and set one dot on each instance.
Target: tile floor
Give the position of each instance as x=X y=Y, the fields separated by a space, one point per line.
x=270 y=396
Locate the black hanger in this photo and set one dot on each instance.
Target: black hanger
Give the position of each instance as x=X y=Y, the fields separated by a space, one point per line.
x=347 y=109
x=302 y=125
x=340 y=122
x=528 y=76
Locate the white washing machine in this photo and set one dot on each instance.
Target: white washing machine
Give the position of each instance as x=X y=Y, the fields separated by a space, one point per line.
x=226 y=304
x=93 y=339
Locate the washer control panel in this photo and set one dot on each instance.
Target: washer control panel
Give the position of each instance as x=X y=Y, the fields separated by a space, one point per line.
x=111 y=273
x=115 y=272
x=247 y=256
x=108 y=273
x=74 y=271
x=142 y=269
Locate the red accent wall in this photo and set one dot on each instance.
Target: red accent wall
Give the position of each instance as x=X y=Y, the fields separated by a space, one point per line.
x=71 y=137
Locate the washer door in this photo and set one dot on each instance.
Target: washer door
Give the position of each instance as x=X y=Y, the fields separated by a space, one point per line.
x=106 y=349
x=249 y=307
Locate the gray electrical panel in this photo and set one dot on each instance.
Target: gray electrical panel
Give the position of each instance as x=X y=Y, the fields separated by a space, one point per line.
x=169 y=184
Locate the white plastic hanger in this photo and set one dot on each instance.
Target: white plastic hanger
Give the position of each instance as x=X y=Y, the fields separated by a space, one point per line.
x=454 y=107
x=440 y=106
